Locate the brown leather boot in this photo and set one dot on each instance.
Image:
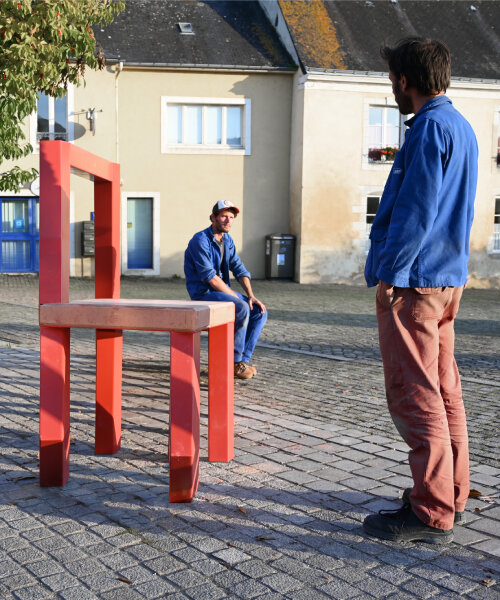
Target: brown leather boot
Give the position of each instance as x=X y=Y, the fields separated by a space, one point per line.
x=243 y=371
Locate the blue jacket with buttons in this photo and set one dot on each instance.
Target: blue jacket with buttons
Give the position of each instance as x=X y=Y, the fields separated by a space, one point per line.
x=202 y=261
x=420 y=234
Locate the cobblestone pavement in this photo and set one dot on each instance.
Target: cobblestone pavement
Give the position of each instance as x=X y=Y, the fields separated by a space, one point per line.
x=315 y=452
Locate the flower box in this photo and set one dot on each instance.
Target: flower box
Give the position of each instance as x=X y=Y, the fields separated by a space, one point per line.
x=386 y=154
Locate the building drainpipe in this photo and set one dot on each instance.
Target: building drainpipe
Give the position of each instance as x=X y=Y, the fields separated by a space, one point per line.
x=118 y=70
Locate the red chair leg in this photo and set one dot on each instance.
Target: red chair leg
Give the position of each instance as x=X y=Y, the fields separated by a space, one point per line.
x=108 y=410
x=184 y=416
x=221 y=393
x=54 y=405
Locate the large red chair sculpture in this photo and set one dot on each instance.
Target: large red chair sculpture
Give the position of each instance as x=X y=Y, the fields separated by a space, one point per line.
x=109 y=316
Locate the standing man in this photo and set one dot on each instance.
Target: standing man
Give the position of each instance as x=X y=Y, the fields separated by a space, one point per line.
x=418 y=259
x=209 y=257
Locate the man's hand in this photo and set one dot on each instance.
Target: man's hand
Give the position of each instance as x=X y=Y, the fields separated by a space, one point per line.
x=247 y=287
x=253 y=300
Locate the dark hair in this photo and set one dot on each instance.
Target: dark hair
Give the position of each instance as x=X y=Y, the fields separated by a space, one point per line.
x=425 y=63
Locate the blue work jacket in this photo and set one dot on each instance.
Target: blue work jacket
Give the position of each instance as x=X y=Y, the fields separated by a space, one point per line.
x=202 y=261
x=420 y=234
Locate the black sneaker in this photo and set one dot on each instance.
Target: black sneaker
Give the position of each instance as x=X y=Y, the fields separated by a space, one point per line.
x=459 y=516
x=403 y=525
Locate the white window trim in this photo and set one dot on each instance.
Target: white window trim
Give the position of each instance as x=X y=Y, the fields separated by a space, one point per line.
x=386 y=102
x=491 y=240
x=359 y=229
x=246 y=148
x=496 y=137
x=70 y=107
x=156 y=234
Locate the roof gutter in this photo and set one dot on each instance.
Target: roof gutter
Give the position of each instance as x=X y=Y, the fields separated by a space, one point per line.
x=352 y=73
x=203 y=67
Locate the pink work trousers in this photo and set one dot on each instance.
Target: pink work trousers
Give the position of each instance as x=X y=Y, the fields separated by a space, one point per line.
x=424 y=395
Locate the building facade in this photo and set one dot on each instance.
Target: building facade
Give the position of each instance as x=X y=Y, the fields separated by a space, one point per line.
x=285 y=108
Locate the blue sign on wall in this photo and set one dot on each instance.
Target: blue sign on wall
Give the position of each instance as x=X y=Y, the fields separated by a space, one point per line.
x=18 y=223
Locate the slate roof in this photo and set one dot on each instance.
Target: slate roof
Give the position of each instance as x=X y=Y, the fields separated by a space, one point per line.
x=231 y=34
x=347 y=34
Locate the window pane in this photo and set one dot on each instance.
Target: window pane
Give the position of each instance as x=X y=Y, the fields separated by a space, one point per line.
x=497 y=210
x=16 y=255
x=375 y=116
x=43 y=113
x=374 y=136
x=192 y=133
x=214 y=125
x=60 y=117
x=392 y=136
x=15 y=216
x=174 y=124
x=372 y=204
x=140 y=233
x=393 y=117
x=234 y=125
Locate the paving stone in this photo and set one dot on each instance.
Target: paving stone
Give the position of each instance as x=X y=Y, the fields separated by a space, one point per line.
x=156 y=588
x=42 y=568
x=78 y=593
x=126 y=593
x=17 y=581
x=231 y=556
x=420 y=588
x=376 y=587
x=492 y=546
x=208 y=591
x=281 y=583
x=35 y=592
x=338 y=589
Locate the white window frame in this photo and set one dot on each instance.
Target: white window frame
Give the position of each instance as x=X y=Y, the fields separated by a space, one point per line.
x=70 y=114
x=494 y=240
x=496 y=142
x=156 y=233
x=244 y=150
x=386 y=102
x=368 y=226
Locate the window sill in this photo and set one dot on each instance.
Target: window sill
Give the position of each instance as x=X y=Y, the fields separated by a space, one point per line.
x=205 y=150
x=141 y=272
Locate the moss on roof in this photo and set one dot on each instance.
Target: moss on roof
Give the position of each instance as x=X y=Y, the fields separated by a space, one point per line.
x=314 y=33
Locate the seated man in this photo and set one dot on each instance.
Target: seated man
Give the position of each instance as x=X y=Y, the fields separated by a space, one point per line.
x=209 y=257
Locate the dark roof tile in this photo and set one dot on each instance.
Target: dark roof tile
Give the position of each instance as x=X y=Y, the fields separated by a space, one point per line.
x=226 y=34
x=357 y=29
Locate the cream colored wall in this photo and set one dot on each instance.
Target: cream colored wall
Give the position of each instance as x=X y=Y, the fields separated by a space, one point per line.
x=335 y=180
x=189 y=185
x=482 y=110
x=296 y=166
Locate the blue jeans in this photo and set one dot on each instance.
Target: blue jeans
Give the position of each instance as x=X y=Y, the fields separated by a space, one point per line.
x=247 y=323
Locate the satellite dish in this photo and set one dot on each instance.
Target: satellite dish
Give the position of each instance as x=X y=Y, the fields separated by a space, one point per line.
x=35 y=186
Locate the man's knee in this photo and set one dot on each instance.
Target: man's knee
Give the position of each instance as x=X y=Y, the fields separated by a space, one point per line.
x=242 y=310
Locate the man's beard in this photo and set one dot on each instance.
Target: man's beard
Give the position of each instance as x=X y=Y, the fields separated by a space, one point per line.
x=403 y=100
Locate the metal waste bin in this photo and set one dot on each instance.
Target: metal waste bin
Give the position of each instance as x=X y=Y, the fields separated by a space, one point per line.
x=280 y=256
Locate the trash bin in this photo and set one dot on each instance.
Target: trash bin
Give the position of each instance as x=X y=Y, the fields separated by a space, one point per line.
x=280 y=256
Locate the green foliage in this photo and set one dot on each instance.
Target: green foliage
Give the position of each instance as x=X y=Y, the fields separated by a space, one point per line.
x=44 y=46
